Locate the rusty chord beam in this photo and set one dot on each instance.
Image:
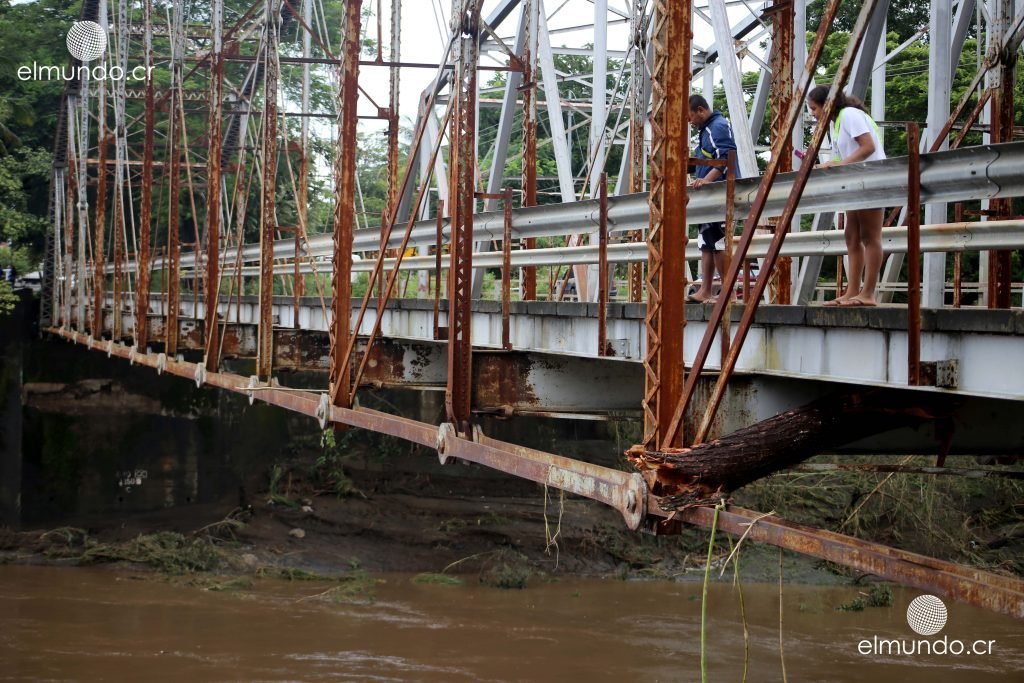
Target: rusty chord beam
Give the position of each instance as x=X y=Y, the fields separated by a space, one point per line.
x=767 y=180
x=172 y=281
x=666 y=241
x=344 y=208
x=1000 y=264
x=99 y=229
x=966 y=584
x=782 y=15
x=393 y=131
x=466 y=25
x=213 y=181
x=913 y=223
x=731 y=166
x=146 y=200
x=506 y=270
x=529 y=87
x=268 y=192
x=637 y=125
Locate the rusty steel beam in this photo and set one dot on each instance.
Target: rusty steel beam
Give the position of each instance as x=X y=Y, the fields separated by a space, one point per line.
x=117 y=290
x=506 y=271
x=437 y=271
x=146 y=200
x=344 y=208
x=393 y=131
x=388 y=287
x=531 y=8
x=666 y=241
x=767 y=180
x=99 y=229
x=1000 y=264
x=213 y=181
x=71 y=198
x=637 y=125
x=268 y=191
x=302 y=196
x=965 y=584
x=971 y=119
x=913 y=223
x=602 y=269
x=731 y=166
x=462 y=161
x=782 y=14
x=172 y=283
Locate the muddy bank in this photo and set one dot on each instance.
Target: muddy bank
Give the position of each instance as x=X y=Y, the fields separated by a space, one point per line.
x=411 y=515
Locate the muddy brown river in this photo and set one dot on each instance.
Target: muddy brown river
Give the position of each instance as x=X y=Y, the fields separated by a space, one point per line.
x=73 y=624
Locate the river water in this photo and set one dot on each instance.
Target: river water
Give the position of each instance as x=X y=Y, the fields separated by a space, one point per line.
x=94 y=624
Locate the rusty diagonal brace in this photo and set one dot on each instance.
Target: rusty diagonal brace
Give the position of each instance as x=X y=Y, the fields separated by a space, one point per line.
x=379 y=265
x=729 y=282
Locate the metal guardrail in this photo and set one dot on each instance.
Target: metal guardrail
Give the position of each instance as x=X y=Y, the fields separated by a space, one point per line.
x=944 y=237
x=983 y=172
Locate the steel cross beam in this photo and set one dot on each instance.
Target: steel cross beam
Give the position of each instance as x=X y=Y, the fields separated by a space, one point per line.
x=466 y=25
x=666 y=244
x=344 y=205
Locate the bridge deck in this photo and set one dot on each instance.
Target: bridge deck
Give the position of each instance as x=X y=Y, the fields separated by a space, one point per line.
x=968 y=351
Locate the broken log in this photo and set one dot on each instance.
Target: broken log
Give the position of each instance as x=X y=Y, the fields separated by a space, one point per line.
x=705 y=473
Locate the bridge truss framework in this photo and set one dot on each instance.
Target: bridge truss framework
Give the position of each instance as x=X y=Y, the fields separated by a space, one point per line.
x=232 y=115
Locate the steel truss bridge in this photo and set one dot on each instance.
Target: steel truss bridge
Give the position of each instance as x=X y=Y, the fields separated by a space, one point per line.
x=197 y=219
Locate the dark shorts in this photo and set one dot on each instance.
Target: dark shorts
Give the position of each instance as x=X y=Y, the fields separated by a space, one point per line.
x=711 y=237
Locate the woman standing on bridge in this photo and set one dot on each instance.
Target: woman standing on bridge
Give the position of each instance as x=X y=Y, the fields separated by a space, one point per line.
x=854 y=138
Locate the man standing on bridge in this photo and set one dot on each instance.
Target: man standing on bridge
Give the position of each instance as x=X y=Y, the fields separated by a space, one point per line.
x=715 y=142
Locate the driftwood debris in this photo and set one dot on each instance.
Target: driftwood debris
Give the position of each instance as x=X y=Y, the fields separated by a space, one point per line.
x=706 y=472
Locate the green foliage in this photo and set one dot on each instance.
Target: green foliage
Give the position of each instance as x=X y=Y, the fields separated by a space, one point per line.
x=507 y=569
x=7 y=298
x=274 y=492
x=24 y=175
x=904 y=18
x=329 y=469
x=855 y=605
x=880 y=595
x=165 y=551
x=437 y=579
